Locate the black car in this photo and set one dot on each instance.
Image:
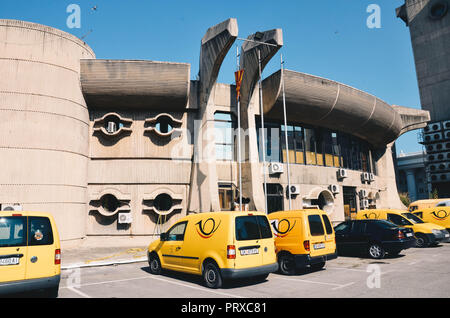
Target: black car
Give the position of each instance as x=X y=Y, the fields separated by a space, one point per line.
x=374 y=238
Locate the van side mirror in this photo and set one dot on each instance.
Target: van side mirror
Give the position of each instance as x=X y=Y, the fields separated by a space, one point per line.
x=163 y=237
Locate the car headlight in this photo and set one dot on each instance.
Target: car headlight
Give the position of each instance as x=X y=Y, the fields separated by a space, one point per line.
x=436 y=232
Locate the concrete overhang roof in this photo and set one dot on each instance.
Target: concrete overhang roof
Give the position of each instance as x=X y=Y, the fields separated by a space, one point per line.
x=325 y=103
x=135 y=84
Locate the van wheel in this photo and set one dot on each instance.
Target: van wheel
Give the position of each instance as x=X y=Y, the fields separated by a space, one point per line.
x=422 y=240
x=51 y=292
x=154 y=264
x=376 y=251
x=212 y=276
x=286 y=264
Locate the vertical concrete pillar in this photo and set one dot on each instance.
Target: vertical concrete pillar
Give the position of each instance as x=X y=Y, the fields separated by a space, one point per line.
x=411 y=183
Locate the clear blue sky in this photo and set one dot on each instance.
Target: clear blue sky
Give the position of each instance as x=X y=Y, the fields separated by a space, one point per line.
x=327 y=38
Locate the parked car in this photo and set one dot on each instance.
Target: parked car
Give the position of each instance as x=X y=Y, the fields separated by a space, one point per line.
x=439 y=215
x=427 y=234
x=428 y=203
x=302 y=238
x=218 y=246
x=30 y=253
x=374 y=238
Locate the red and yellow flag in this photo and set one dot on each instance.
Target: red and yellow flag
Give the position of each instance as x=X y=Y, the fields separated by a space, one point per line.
x=238 y=76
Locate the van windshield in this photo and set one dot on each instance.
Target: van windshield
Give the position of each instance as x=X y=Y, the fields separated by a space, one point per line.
x=252 y=227
x=12 y=231
x=413 y=218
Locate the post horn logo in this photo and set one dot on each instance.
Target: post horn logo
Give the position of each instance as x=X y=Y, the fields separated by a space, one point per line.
x=372 y=215
x=282 y=227
x=208 y=228
x=440 y=215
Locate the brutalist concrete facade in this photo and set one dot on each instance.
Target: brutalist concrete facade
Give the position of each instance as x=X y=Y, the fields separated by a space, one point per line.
x=124 y=147
x=429 y=25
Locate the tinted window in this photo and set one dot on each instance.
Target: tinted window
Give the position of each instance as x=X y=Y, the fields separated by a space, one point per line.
x=176 y=233
x=40 y=231
x=419 y=214
x=252 y=228
x=413 y=218
x=12 y=231
x=343 y=227
x=382 y=224
x=397 y=219
x=359 y=227
x=315 y=225
x=327 y=223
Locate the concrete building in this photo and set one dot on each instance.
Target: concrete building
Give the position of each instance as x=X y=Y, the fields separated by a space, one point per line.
x=429 y=25
x=125 y=147
x=412 y=177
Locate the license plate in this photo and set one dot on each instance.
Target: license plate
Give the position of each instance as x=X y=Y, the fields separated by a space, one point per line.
x=9 y=261
x=251 y=251
x=409 y=234
x=319 y=246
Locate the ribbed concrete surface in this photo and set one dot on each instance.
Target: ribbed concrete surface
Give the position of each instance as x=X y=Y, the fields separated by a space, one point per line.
x=45 y=141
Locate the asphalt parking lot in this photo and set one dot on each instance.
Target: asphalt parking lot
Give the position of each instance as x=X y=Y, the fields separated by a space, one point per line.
x=414 y=273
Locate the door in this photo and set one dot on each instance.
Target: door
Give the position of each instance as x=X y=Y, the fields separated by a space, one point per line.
x=13 y=247
x=342 y=232
x=350 y=208
x=359 y=236
x=41 y=248
x=252 y=240
x=171 y=249
x=274 y=197
x=330 y=246
x=317 y=231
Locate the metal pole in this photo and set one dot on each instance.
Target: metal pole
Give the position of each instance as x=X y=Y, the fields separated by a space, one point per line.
x=285 y=133
x=263 y=131
x=239 y=136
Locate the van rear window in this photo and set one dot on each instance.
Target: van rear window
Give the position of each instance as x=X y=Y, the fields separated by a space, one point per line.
x=12 y=231
x=252 y=228
x=327 y=223
x=315 y=225
x=40 y=231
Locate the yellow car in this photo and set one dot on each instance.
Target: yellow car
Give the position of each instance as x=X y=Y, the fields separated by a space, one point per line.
x=30 y=253
x=427 y=234
x=428 y=203
x=437 y=215
x=302 y=238
x=218 y=246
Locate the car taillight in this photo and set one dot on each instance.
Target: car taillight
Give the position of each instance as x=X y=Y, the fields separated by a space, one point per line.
x=57 y=256
x=231 y=252
x=306 y=245
x=400 y=235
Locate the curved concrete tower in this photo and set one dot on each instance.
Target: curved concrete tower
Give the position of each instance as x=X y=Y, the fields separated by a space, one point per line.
x=48 y=123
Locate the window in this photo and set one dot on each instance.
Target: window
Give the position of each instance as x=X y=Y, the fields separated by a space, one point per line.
x=224 y=136
x=109 y=203
x=327 y=223
x=164 y=124
x=252 y=228
x=176 y=233
x=227 y=196
x=398 y=220
x=310 y=147
x=342 y=228
x=274 y=197
x=40 y=231
x=358 y=227
x=12 y=231
x=163 y=202
x=315 y=225
x=412 y=218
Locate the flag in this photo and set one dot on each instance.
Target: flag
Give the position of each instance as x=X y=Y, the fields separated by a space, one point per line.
x=238 y=76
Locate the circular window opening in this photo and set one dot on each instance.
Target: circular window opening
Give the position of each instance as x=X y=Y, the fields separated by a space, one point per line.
x=163 y=202
x=427 y=138
x=438 y=10
x=164 y=124
x=109 y=203
x=430 y=148
x=435 y=127
x=439 y=146
x=112 y=124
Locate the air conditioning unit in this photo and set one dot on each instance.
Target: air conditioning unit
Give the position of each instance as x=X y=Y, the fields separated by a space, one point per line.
x=446 y=124
x=371 y=177
x=363 y=193
x=433 y=127
x=294 y=189
x=447 y=134
x=334 y=188
x=341 y=173
x=364 y=204
x=440 y=177
x=125 y=218
x=365 y=177
x=275 y=167
x=112 y=127
x=10 y=207
x=436 y=136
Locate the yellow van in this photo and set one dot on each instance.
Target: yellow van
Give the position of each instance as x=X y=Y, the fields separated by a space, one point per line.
x=30 y=253
x=218 y=246
x=302 y=238
x=427 y=234
x=428 y=203
x=436 y=215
